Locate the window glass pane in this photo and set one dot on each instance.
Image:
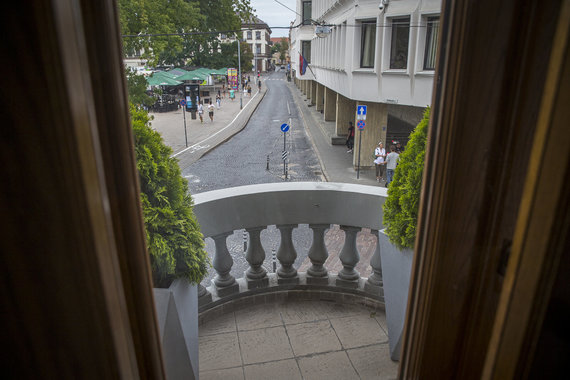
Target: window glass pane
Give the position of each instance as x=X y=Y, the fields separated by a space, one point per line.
x=249 y=35
x=368 y=44
x=400 y=41
x=432 y=32
x=306 y=13
x=306 y=50
x=257 y=35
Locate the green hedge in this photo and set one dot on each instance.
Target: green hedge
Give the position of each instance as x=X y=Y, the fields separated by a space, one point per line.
x=401 y=207
x=175 y=243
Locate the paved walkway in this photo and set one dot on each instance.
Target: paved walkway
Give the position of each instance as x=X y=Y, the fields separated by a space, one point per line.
x=201 y=137
x=310 y=340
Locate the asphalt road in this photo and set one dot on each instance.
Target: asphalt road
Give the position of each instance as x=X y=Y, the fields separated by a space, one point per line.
x=242 y=160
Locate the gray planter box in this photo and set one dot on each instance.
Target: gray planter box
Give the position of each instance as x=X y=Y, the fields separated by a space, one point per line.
x=396 y=271
x=177 y=311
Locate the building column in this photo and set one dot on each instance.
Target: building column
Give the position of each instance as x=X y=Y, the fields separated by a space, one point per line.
x=313 y=92
x=374 y=131
x=330 y=105
x=345 y=112
x=320 y=97
x=304 y=87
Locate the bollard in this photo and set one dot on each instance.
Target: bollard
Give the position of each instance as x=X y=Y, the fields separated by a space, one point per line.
x=244 y=241
x=267 y=168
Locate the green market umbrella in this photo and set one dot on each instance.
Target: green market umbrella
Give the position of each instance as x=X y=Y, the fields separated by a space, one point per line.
x=161 y=80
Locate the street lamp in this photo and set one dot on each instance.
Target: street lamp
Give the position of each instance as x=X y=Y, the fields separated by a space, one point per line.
x=239 y=72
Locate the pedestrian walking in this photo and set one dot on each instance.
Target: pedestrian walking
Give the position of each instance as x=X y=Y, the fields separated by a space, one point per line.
x=201 y=112
x=211 y=111
x=218 y=100
x=391 y=162
x=350 y=137
x=223 y=91
x=232 y=94
x=380 y=161
x=259 y=85
x=249 y=91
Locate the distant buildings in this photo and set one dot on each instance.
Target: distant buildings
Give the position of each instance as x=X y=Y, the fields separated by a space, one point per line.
x=258 y=35
x=382 y=58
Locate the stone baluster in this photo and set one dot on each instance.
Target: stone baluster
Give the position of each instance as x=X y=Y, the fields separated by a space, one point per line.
x=225 y=283
x=374 y=283
x=256 y=275
x=286 y=255
x=349 y=257
x=318 y=254
x=204 y=296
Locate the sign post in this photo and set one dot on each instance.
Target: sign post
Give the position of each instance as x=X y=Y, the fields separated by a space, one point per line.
x=285 y=154
x=361 y=117
x=183 y=104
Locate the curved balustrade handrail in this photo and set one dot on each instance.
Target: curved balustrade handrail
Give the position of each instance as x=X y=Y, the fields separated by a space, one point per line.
x=227 y=210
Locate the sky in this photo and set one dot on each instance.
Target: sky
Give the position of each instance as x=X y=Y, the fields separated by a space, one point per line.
x=275 y=14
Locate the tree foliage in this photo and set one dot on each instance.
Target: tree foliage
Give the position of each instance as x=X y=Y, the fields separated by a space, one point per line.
x=179 y=16
x=401 y=207
x=175 y=242
x=136 y=88
x=226 y=56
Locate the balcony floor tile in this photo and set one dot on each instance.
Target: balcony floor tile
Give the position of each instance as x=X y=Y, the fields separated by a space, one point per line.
x=332 y=365
x=223 y=374
x=297 y=339
x=257 y=317
x=373 y=362
x=313 y=338
x=277 y=370
x=263 y=345
x=358 y=331
x=222 y=324
x=219 y=351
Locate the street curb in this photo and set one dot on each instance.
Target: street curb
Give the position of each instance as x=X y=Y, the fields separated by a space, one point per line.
x=307 y=129
x=239 y=127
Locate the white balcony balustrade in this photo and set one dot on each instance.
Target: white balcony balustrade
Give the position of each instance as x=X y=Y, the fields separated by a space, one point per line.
x=286 y=205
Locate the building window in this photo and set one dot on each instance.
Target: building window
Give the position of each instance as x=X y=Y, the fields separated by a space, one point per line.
x=257 y=35
x=249 y=34
x=400 y=42
x=224 y=36
x=307 y=13
x=306 y=50
x=258 y=48
x=368 y=44
x=432 y=33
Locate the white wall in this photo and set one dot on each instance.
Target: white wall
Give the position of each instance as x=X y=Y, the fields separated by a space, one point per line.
x=335 y=60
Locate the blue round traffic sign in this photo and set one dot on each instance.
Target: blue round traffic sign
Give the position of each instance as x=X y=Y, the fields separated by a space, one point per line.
x=284 y=127
x=360 y=124
x=182 y=102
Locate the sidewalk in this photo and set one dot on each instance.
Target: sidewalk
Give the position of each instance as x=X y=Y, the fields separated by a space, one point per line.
x=336 y=163
x=203 y=137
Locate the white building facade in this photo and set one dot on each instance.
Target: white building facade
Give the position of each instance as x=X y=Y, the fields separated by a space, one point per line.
x=379 y=53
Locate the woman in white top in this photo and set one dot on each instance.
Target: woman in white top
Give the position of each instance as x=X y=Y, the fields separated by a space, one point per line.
x=380 y=161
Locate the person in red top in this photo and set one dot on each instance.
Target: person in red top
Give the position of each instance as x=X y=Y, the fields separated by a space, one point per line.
x=350 y=138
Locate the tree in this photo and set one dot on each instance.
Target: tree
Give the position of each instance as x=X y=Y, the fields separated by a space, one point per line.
x=175 y=243
x=283 y=48
x=136 y=88
x=179 y=16
x=401 y=207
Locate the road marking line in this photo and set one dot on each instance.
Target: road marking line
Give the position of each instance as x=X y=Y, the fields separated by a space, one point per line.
x=220 y=131
x=288 y=109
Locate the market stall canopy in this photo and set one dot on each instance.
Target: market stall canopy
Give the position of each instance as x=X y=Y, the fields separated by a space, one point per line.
x=193 y=75
x=158 y=79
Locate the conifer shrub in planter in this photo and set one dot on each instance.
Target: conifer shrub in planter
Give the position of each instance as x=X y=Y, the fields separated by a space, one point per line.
x=174 y=240
x=397 y=239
